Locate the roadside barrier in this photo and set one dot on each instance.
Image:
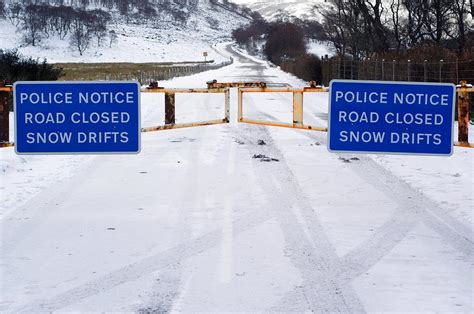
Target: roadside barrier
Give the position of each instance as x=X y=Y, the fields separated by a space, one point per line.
x=297 y=106
x=463 y=103
x=170 y=106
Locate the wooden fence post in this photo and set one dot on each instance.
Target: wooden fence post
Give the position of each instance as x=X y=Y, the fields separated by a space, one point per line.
x=463 y=114
x=4 y=115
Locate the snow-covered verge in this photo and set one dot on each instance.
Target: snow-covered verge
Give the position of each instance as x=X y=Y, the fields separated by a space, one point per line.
x=195 y=223
x=23 y=177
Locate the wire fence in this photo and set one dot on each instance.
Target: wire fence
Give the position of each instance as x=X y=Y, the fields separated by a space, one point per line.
x=452 y=71
x=152 y=75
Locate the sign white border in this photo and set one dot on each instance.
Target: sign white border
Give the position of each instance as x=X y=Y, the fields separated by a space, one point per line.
x=79 y=82
x=392 y=83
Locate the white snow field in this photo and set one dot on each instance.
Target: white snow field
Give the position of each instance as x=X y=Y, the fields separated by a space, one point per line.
x=153 y=41
x=195 y=224
x=135 y=43
x=271 y=9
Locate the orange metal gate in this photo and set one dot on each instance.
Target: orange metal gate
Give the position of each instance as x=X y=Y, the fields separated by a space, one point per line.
x=298 y=108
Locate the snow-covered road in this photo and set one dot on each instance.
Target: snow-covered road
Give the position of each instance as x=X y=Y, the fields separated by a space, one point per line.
x=196 y=224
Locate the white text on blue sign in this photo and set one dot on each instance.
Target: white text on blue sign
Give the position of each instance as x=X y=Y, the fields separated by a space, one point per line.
x=62 y=117
x=391 y=117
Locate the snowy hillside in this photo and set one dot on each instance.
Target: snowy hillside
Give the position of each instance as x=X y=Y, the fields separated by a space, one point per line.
x=141 y=41
x=270 y=9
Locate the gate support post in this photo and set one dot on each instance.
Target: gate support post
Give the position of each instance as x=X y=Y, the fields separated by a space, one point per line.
x=227 y=105
x=298 y=108
x=4 y=117
x=463 y=114
x=170 y=108
x=240 y=105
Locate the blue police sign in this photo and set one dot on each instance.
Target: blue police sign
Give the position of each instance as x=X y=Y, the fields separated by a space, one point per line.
x=77 y=117
x=391 y=117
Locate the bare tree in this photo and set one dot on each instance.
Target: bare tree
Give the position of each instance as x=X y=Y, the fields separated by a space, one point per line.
x=124 y=7
x=399 y=34
x=345 y=27
x=372 y=14
x=97 y=21
x=33 y=24
x=80 y=37
x=417 y=11
x=334 y=26
x=3 y=10
x=460 y=11
x=438 y=19
x=64 y=16
x=180 y=16
x=14 y=13
x=113 y=38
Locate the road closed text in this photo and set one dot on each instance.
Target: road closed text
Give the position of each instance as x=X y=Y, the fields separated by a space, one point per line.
x=77 y=118
x=390 y=118
x=60 y=119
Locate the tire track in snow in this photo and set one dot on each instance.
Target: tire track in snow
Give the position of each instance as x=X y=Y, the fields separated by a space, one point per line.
x=170 y=258
x=168 y=261
x=226 y=262
x=178 y=254
x=307 y=244
x=413 y=207
x=168 y=284
x=164 y=301
x=134 y=271
x=410 y=200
